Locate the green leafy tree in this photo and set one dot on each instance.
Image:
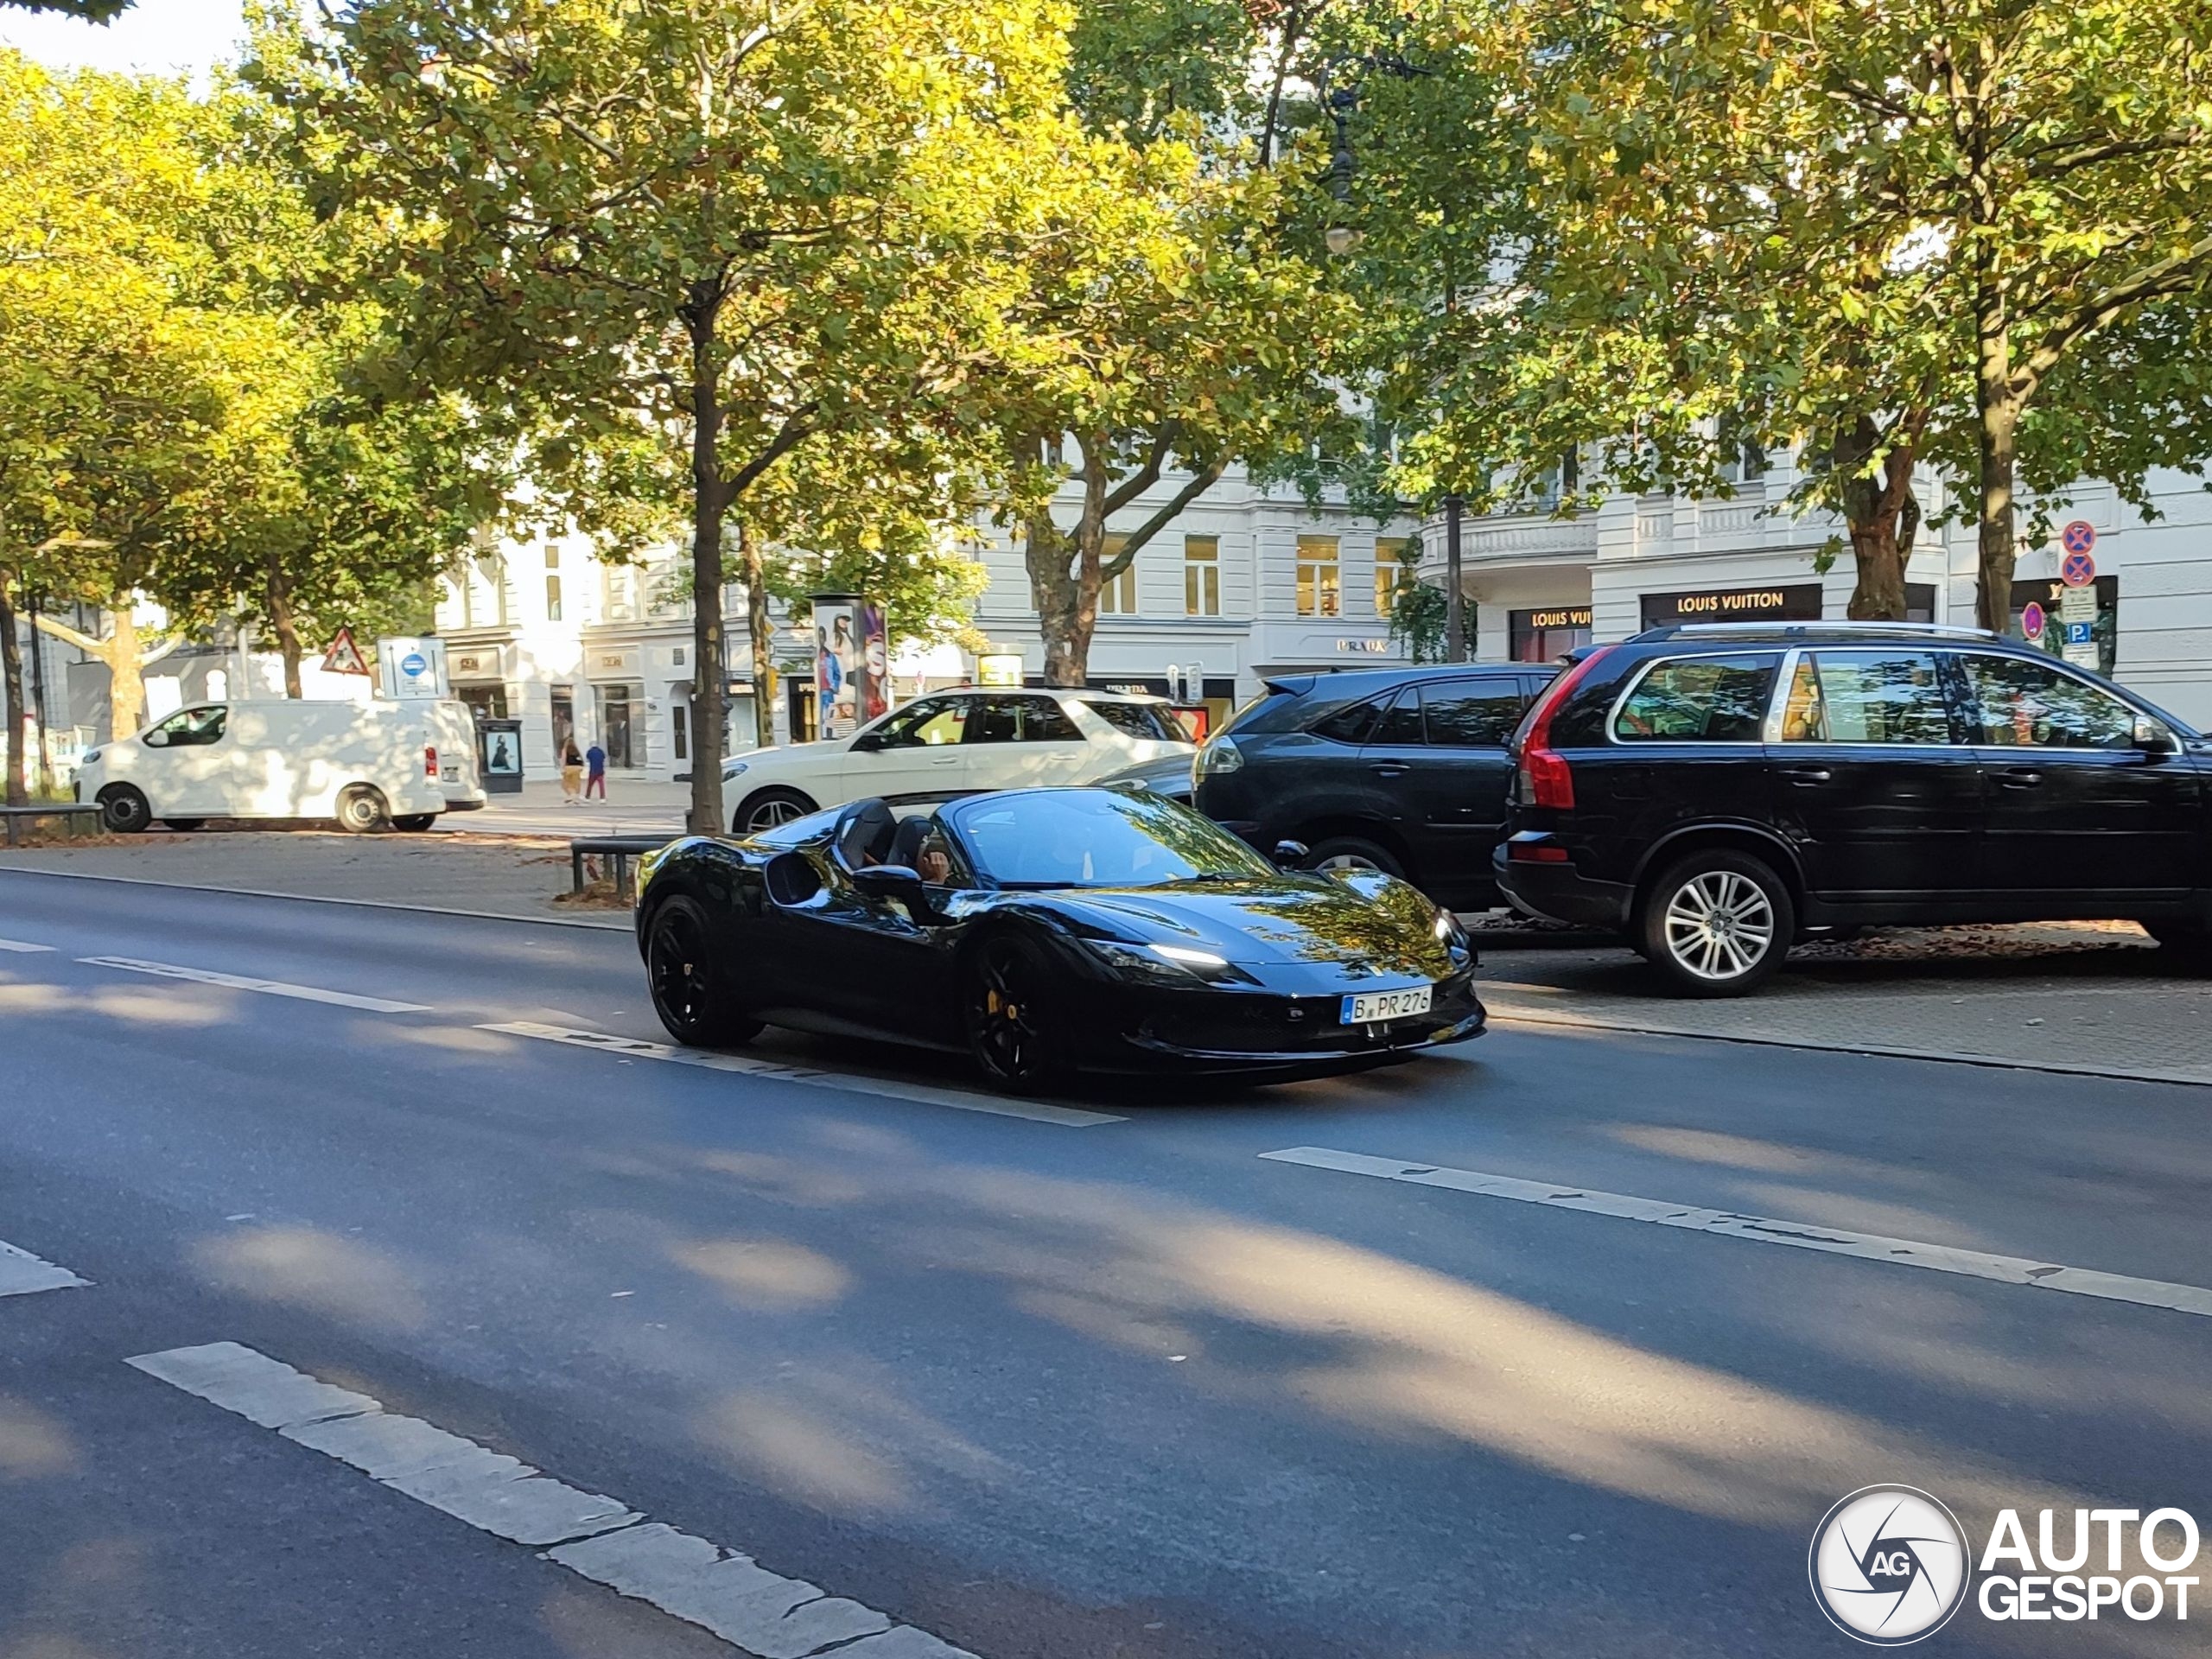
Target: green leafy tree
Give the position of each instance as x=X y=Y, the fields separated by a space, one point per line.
x=116 y=370
x=1168 y=330
x=1885 y=234
x=728 y=229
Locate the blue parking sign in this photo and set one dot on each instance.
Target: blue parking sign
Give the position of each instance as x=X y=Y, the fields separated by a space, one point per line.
x=2080 y=633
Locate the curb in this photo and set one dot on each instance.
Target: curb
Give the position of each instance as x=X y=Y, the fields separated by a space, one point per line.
x=2002 y=1063
x=323 y=899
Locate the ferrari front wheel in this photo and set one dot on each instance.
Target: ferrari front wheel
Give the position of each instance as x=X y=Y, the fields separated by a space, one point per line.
x=690 y=990
x=1005 y=1007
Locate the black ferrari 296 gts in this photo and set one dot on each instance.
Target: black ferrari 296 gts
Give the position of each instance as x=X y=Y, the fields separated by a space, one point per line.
x=1049 y=931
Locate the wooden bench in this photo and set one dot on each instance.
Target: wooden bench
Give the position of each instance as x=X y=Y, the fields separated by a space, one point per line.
x=76 y=815
x=620 y=852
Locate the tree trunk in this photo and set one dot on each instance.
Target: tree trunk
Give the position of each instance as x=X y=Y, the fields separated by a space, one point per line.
x=710 y=501
x=760 y=632
x=282 y=618
x=2000 y=419
x=1067 y=596
x=11 y=685
x=1877 y=510
x=126 y=686
x=1063 y=618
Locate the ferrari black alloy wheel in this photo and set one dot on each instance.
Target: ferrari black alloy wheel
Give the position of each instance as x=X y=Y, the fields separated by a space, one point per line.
x=690 y=992
x=1010 y=1030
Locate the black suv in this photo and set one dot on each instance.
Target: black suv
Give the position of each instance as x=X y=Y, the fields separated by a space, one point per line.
x=1401 y=770
x=1717 y=791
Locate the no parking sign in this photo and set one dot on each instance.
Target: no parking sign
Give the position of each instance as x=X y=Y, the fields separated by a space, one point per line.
x=2079 y=568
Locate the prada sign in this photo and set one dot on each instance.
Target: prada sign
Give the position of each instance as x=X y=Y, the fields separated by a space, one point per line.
x=1797 y=601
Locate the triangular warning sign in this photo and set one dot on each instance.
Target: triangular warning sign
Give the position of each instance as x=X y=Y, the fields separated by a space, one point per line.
x=344 y=657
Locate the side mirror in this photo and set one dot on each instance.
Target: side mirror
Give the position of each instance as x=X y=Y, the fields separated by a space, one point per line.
x=866 y=743
x=157 y=738
x=2153 y=737
x=889 y=882
x=1290 y=855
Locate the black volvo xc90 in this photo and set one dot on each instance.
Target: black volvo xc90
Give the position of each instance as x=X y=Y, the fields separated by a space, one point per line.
x=1717 y=790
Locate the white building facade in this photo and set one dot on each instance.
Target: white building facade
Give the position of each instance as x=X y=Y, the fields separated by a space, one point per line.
x=1248 y=581
x=1541 y=585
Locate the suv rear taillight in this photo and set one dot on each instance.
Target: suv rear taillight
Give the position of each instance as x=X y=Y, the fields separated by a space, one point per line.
x=1547 y=779
x=429 y=761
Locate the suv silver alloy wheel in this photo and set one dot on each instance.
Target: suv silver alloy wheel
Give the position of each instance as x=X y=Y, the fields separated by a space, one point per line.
x=1719 y=925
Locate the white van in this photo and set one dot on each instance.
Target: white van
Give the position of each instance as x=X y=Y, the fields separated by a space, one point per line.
x=452 y=730
x=364 y=763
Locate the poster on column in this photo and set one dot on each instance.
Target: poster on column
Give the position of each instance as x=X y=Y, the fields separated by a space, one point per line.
x=836 y=662
x=873 y=697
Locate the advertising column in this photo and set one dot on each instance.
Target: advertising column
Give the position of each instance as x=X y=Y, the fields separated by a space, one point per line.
x=852 y=663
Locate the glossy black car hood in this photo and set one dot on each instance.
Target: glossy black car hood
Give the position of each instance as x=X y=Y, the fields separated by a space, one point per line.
x=1381 y=922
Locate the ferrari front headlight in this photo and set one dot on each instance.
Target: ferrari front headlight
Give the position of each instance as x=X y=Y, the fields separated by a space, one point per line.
x=1176 y=966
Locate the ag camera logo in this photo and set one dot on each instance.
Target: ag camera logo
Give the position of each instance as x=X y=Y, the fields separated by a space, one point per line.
x=1889 y=1565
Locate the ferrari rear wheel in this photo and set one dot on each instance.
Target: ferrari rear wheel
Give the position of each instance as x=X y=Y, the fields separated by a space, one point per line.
x=690 y=990
x=1008 y=1012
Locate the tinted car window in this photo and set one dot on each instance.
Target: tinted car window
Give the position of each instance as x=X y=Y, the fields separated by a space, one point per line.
x=1400 y=721
x=1891 y=696
x=1095 y=837
x=2025 y=705
x=932 y=720
x=1147 y=722
x=1022 y=720
x=1472 y=714
x=1699 y=700
x=1351 y=724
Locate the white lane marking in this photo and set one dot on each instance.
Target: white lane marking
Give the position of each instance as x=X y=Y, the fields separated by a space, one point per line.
x=595 y=1536
x=21 y=1272
x=1762 y=1230
x=24 y=949
x=268 y=987
x=637 y=1049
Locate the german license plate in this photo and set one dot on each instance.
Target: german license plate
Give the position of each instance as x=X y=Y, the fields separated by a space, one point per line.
x=1371 y=1007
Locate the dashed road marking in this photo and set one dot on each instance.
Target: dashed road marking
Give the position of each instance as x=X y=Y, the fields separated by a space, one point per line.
x=596 y=1537
x=267 y=986
x=1763 y=1230
x=634 y=1048
x=21 y=1272
x=23 y=948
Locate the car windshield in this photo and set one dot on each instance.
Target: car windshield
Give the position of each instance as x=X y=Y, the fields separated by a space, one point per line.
x=1096 y=838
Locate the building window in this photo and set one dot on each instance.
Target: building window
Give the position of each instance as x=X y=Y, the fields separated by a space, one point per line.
x=1317 y=576
x=1393 y=571
x=614 y=731
x=1742 y=462
x=552 y=599
x=564 y=718
x=621 y=594
x=679 y=726
x=1202 y=575
x=1117 y=595
x=552 y=555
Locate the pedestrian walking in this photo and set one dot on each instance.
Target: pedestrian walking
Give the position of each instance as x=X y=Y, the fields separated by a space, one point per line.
x=572 y=774
x=595 y=780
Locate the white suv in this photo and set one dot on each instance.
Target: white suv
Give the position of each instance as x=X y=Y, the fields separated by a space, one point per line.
x=958 y=742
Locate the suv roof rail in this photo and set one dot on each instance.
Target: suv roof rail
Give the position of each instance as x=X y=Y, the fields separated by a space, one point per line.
x=1741 y=630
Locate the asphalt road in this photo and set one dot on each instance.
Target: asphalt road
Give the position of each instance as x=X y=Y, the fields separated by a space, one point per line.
x=1104 y=1381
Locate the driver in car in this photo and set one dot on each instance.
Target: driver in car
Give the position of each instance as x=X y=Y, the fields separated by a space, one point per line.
x=919 y=846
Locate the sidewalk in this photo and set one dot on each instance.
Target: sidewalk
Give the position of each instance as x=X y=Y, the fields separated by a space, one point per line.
x=631 y=809
x=482 y=873
x=2089 y=997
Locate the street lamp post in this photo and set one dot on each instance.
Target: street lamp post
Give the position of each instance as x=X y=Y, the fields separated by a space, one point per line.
x=1455 y=628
